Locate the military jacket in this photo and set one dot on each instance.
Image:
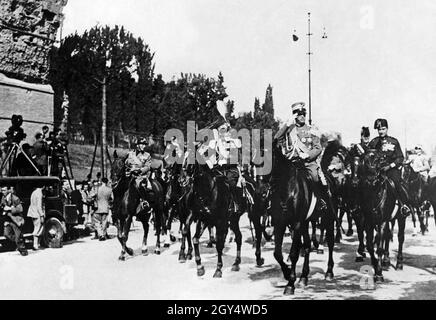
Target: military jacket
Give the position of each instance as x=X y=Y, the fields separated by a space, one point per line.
x=304 y=139
x=138 y=161
x=390 y=148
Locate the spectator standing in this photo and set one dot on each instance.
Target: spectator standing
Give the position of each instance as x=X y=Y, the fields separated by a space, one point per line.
x=40 y=154
x=37 y=213
x=104 y=197
x=12 y=207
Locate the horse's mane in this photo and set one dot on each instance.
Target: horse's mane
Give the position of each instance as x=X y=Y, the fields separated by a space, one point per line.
x=332 y=149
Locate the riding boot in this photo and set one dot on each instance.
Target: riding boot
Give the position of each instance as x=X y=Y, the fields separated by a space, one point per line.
x=317 y=191
x=403 y=199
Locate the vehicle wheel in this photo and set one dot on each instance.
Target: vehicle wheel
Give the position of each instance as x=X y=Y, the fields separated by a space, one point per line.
x=53 y=233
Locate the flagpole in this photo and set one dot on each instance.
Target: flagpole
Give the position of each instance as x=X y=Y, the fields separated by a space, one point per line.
x=310 y=69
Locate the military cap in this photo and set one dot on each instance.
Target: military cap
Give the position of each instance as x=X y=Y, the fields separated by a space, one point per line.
x=380 y=123
x=298 y=107
x=365 y=132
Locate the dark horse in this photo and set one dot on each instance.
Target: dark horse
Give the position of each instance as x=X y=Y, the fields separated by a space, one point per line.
x=431 y=194
x=416 y=186
x=180 y=203
x=128 y=203
x=353 y=203
x=294 y=203
x=380 y=207
x=212 y=198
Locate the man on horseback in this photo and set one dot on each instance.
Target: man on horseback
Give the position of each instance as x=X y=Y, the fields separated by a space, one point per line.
x=300 y=140
x=138 y=164
x=226 y=165
x=419 y=163
x=359 y=149
x=393 y=160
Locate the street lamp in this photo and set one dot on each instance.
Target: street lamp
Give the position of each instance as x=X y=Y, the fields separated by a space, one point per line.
x=309 y=53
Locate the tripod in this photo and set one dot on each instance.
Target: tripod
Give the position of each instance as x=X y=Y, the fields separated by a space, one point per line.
x=12 y=155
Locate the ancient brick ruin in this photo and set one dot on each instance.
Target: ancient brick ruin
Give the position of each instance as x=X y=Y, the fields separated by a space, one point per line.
x=28 y=31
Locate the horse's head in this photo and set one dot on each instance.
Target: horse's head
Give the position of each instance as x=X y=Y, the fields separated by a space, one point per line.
x=356 y=169
x=117 y=170
x=372 y=163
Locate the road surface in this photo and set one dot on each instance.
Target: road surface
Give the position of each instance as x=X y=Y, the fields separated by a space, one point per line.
x=89 y=269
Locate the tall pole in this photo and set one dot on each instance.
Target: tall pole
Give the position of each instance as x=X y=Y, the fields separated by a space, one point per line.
x=103 y=129
x=309 y=53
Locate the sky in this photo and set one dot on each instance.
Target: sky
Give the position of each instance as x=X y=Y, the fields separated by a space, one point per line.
x=378 y=59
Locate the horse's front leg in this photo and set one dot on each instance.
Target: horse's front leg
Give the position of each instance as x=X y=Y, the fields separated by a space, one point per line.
x=201 y=226
x=385 y=241
x=306 y=245
x=146 y=227
x=330 y=225
x=124 y=236
x=401 y=228
x=221 y=233
x=234 y=225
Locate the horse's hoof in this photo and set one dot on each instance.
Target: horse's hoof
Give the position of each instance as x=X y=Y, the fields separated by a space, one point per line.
x=289 y=291
x=173 y=238
x=122 y=258
x=236 y=267
x=218 y=274
x=182 y=259
x=378 y=279
x=386 y=264
x=303 y=281
x=200 y=271
x=166 y=245
x=349 y=233
x=157 y=251
x=189 y=256
x=329 y=276
x=129 y=251
x=399 y=266
x=260 y=262
x=359 y=259
x=144 y=252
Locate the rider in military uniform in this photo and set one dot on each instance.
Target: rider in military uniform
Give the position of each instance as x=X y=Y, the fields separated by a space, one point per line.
x=393 y=160
x=359 y=149
x=138 y=164
x=299 y=140
x=226 y=164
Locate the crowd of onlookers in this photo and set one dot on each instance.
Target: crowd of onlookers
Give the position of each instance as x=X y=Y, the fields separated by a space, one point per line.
x=46 y=157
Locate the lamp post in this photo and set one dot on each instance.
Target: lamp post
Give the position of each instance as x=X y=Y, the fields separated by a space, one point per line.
x=309 y=53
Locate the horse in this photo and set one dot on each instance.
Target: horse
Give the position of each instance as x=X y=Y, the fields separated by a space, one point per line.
x=380 y=207
x=416 y=187
x=180 y=201
x=258 y=211
x=129 y=203
x=431 y=194
x=353 y=203
x=294 y=203
x=212 y=200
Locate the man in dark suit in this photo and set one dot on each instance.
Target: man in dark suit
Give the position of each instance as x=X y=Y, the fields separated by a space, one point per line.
x=12 y=208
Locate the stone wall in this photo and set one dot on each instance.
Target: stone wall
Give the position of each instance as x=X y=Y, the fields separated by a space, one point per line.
x=33 y=101
x=28 y=31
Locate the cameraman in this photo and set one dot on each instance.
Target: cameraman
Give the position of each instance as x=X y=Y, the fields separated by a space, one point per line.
x=11 y=206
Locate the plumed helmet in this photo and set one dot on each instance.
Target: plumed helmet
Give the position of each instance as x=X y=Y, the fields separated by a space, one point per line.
x=380 y=123
x=365 y=132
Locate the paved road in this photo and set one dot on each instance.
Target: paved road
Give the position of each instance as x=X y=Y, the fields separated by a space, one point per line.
x=88 y=269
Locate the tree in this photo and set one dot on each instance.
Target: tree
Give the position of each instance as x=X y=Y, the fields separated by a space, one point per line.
x=268 y=106
x=79 y=66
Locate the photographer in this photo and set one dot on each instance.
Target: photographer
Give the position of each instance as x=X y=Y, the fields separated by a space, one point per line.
x=11 y=206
